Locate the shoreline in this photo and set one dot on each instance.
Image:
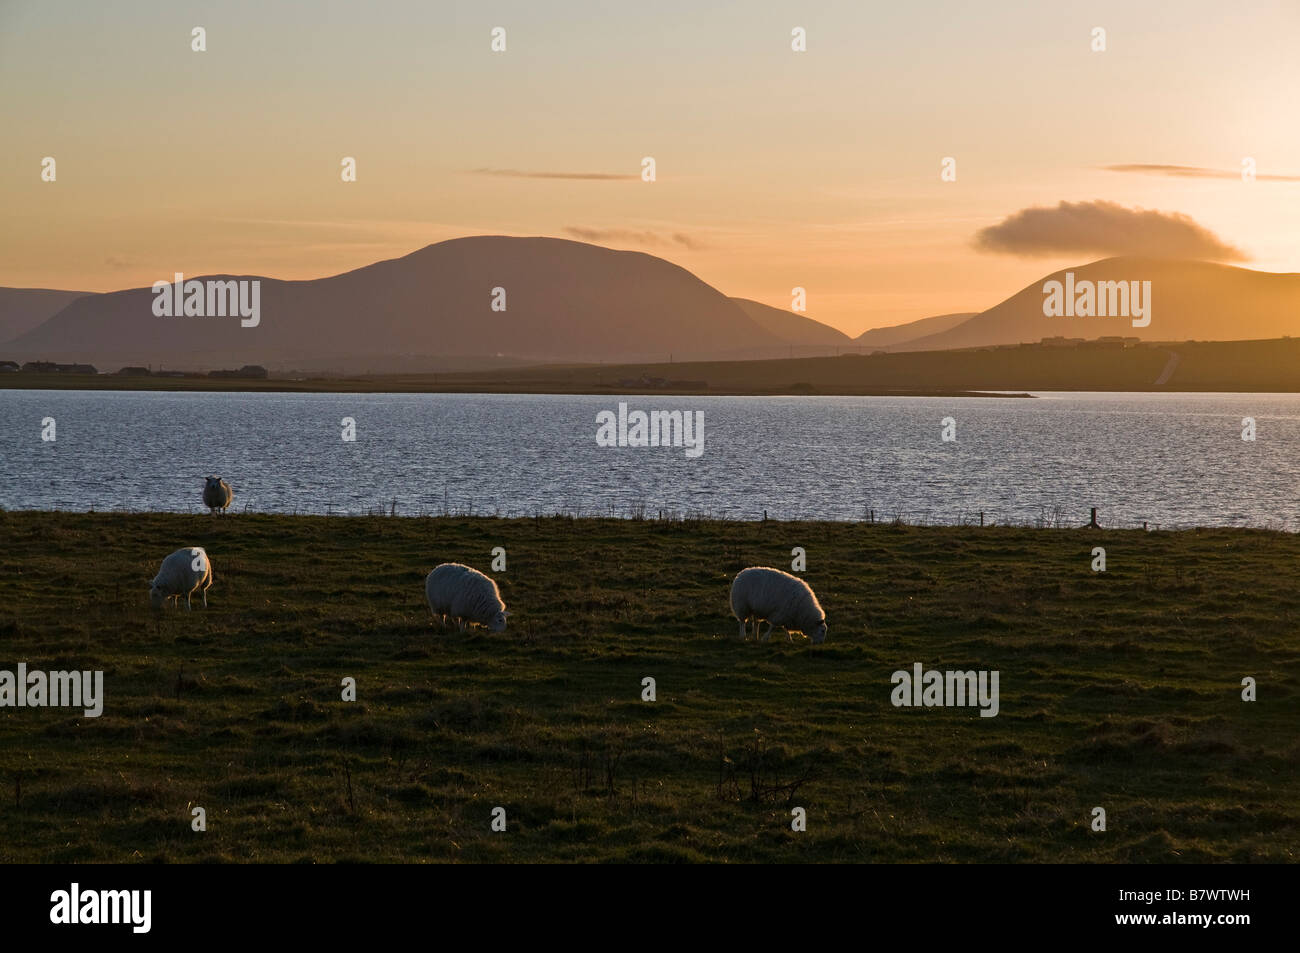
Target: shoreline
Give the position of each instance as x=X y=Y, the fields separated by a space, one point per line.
x=1212 y=367
x=401 y=385
x=643 y=517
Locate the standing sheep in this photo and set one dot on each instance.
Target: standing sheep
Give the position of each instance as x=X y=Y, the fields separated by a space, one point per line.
x=770 y=595
x=466 y=595
x=183 y=573
x=217 y=494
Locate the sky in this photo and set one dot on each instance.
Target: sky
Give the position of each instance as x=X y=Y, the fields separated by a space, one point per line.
x=775 y=169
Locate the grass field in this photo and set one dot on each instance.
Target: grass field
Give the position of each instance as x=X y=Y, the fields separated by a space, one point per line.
x=1119 y=689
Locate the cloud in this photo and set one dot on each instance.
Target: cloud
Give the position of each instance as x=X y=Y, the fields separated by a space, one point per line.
x=590 y=176
x=112 y=261
x=1105 y=227
x=1193 y=172
x=633 y=236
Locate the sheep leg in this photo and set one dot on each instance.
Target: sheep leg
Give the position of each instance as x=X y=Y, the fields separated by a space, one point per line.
x=744 y=630
x=758 y=625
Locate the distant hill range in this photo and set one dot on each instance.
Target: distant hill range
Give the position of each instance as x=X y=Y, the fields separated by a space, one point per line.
x=432 y=310
x=573 y=302
x=1190 y=301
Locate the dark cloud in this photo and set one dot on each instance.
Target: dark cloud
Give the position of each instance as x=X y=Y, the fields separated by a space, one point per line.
x=633 y=236
x=1193 y=172
x=591 y=176
x=1106 y=228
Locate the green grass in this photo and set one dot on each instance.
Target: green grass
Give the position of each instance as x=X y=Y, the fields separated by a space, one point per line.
x=1119 y=690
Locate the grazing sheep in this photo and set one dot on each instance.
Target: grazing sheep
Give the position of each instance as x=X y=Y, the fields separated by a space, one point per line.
x=770 y=595
x=184 y=572
x=217 y=494
x=466 y=595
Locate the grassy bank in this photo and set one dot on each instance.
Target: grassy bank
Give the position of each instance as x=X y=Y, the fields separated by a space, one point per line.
x=1271 y=366
x=1118 y=689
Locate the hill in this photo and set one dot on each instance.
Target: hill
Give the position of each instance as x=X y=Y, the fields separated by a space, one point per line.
x=22 y=309
x=795 y=329
x=1190 y=300
x=562 y=300
x=901 y=333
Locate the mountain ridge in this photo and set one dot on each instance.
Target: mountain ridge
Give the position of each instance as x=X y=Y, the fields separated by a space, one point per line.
x=1189 y=299
x=561 y=300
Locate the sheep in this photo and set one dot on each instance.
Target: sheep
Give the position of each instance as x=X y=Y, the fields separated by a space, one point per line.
x=770 y=595
x=466 y=595
x=182 y=573
x=217 y=494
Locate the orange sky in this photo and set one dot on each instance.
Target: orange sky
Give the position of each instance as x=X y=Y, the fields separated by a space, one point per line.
x=775 y=168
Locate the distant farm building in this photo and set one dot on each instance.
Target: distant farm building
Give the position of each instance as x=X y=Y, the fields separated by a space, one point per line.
x=1114 y=340
x=1060 y=341
x=49 y=367
x=248 y=371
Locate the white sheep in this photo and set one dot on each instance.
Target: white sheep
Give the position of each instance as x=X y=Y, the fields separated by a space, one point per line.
x=217 y=494
x=466 y=595
x=778 y=598
x=183 y=573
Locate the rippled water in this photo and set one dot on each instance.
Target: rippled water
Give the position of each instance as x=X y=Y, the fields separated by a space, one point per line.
x=1169 y=459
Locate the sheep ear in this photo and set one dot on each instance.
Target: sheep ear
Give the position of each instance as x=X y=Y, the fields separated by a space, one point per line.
x=505 y=612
